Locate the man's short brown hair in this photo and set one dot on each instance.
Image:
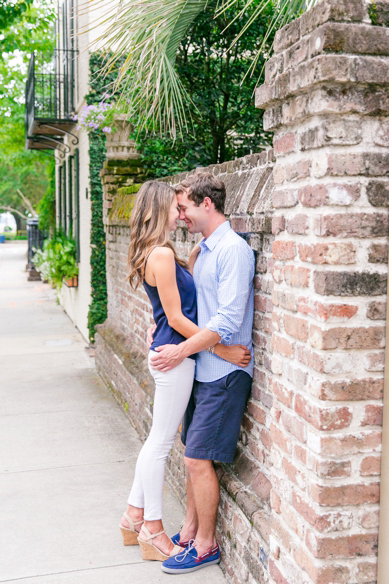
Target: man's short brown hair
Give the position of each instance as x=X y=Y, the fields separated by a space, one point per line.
x=201 y=185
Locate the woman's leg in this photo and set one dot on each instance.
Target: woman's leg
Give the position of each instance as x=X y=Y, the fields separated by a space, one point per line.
x=172 y=393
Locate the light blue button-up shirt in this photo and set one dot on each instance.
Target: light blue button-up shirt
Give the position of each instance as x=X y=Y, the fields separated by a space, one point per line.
x=224 y=279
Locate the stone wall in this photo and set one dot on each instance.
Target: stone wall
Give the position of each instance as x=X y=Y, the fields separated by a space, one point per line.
x=300 y=504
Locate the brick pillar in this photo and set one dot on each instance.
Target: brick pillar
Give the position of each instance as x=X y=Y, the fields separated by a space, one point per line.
x=327 y=100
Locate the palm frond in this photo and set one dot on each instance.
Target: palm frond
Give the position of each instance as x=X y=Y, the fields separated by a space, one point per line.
x=145 y=35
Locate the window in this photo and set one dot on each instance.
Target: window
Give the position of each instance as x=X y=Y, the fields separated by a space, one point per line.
x=77 y=202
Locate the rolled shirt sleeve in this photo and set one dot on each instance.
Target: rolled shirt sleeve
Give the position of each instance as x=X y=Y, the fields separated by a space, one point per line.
x=235 y=276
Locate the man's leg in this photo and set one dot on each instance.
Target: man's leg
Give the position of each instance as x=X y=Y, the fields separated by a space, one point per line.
x=206 y=494
x=189 y=529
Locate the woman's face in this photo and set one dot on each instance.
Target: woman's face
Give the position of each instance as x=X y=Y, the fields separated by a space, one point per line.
x=173 y=214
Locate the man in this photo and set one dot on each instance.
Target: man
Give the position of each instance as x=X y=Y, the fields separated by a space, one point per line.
x=224 y=279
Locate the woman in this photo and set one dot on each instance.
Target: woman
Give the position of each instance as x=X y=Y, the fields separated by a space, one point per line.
x=169 y=285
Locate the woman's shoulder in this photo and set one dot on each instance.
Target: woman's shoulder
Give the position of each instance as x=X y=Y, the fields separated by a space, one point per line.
x=160 y=253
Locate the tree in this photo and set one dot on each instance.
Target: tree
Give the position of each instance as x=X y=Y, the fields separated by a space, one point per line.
x=147 y=35
x=25 y=28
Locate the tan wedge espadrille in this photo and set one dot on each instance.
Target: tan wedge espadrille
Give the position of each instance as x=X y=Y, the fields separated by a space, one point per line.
x=150 y=551
x=130 y=535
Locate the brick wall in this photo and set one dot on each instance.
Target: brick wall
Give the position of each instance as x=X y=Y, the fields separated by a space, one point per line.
x=300 y=504
x=326 y=99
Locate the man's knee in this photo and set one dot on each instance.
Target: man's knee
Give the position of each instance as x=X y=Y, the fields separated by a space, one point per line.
x=197 y=466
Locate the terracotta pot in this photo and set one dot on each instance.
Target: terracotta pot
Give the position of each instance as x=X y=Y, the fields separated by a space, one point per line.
x=72 y=282
x=119 y=145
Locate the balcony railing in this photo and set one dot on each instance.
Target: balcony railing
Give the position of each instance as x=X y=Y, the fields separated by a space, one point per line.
x=50 y=98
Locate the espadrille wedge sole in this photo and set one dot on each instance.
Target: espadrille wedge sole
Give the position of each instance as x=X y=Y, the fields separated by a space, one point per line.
x=129 y=534
x=150 y=551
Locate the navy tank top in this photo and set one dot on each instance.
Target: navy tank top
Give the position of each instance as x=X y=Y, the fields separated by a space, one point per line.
x=164 y=334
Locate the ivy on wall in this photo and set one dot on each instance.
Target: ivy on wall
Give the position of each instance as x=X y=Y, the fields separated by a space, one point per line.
x=97 y=151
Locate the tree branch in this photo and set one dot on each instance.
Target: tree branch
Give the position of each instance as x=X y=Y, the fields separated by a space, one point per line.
x=11 y=210
x=27 y=204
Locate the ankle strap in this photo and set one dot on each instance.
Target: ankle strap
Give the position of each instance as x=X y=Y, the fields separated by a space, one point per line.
x=131 y=522
x=151 y=535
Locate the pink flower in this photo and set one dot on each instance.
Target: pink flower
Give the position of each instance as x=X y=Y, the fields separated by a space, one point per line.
x=107 y=129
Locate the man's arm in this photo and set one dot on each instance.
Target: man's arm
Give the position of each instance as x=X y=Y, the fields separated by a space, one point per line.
x=235 y=280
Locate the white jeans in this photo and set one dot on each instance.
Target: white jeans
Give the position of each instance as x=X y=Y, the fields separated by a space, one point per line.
x=172 y=392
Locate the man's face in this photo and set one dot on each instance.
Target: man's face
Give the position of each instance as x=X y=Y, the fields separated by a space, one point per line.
x=194 y=217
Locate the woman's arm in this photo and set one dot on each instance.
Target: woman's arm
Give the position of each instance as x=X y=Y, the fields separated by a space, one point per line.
x=162 y=265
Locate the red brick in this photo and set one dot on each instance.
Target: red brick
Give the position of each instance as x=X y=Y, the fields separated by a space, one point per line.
x=285 y=198
x=276 y=574
x=373 y=415
x=298 y=225
x=378 y=253
x=312 y=196
x=366 y=572
x=282 y=346
x=323 y=418
x=280 y=533
x=256 y=412
x=284 y=250
x=296 y=277
x=278 y=224
x=266 y=439
x=371 y=466
x=284 y=299
x=305 y=562
x=283 y=394
x=300 y=453
x=310 y=358
x=285 y=143
x=375 y=361
x=370 y=519
x=280 y=438
x=354 y=390
x=324 y=522
x=352 y=225
x=350 y=546
x=326 y=311
x=328 y=253
x=275 y=501
x=376 y=311
x=333 y=496
x=296 y=327
x=347 y=338
x=299 y=170
x=333 y=468
x=293 y=474
x=347 y=444
x=294 y=426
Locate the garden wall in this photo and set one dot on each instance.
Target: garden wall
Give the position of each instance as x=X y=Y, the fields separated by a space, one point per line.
x=300 y=504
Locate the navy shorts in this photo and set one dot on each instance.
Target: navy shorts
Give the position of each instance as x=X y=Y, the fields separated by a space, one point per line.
x=211 y=425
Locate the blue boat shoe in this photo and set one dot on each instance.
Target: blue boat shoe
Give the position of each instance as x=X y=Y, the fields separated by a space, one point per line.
x=176 y=540
x=188 y=561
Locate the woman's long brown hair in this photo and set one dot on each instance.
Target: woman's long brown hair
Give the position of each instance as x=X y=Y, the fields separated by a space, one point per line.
x=149 y=227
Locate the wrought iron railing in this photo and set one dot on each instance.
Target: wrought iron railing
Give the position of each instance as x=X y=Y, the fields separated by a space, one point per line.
x=50 y=91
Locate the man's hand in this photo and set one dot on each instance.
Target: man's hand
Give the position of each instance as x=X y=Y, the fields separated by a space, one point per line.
x=169 y=356
x=150 y=335
x=236 y=354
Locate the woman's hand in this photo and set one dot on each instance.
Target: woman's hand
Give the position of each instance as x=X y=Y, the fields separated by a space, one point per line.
x=193 y=257
x=236 y=354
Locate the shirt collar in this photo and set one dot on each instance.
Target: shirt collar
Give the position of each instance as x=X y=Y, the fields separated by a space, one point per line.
x=216 y=236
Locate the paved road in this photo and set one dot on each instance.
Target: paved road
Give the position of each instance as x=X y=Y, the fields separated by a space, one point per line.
x=67 y=451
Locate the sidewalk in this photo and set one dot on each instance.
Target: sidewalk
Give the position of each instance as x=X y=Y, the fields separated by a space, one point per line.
x=67 y=451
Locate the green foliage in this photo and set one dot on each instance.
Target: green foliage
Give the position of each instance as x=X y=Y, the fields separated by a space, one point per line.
x=11 y=12
x=46 y=206
x=97 y=151
x=24 y=28
x=57 y=260
x=225 y=122
x=148 y=35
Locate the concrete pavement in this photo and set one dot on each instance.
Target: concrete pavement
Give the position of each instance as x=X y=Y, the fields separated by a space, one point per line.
x=67 y=451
